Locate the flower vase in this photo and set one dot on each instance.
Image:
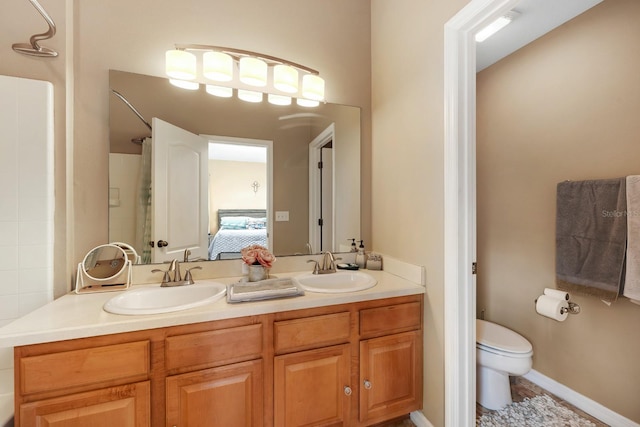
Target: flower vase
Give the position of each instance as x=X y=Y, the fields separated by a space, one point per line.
x=257 y=272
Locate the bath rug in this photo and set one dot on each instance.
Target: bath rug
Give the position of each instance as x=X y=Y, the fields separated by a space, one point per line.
x=539 y=411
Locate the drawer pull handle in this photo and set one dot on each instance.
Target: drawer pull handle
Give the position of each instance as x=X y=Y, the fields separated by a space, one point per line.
x=367 y=384
x=347 y=390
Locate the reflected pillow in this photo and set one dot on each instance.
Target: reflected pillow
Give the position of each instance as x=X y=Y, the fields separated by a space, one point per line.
x=257 y=223
x=233 y=222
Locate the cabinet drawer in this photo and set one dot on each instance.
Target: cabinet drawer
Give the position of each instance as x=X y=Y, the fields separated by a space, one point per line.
x=110 y=363
x=390 y=319
x=214 y=348
x=310 y=332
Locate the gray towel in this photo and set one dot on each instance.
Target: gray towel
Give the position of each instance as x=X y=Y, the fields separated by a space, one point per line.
x=591 y=234
x=262 y=290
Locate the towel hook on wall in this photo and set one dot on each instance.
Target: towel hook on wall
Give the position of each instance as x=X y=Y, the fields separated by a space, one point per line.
x=33 y=48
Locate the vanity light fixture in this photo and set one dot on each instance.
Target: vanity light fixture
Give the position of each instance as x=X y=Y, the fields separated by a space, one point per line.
x=180 y=64
x=184 y=84
x=250 y=95
x=253 y=71
x=221 y=91
x=278 y=99
x=288 y=79
x=217 y=66
x=496 y=26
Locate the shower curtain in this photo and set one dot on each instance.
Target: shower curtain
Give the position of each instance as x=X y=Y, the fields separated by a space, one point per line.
x=143 y=211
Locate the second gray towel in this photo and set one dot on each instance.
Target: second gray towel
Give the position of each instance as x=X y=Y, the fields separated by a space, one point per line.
x=591 y=234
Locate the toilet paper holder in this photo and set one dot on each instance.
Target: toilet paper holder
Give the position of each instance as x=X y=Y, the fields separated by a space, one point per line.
x=572 y=309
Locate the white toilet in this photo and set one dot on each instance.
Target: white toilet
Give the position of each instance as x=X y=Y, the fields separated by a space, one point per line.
x=500 y=352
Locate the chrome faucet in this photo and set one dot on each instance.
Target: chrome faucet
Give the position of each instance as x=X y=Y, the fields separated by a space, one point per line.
x=172 y=276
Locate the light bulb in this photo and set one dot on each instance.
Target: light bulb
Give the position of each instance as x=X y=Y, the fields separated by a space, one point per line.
x=221 y=91
x=253 y=71
x=217 y=66
x=180 y=64
x=313 y=87
x=183 y=84
x=250 y=95
x=285 y=78
x=279 y=99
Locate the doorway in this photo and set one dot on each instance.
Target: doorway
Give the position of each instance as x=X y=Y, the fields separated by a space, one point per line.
x=460 y=205
x=240 y=178
x=321 y=191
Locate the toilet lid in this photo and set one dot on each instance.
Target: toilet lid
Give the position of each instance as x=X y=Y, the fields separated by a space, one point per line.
x=498 y=337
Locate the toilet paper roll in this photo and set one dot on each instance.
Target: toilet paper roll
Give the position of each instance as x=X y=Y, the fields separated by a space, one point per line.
x=552 y=307
x=556 y=293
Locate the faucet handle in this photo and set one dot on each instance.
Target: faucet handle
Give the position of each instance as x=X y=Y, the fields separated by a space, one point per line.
x=316 y=267
x=166 y=277
x=187 y=275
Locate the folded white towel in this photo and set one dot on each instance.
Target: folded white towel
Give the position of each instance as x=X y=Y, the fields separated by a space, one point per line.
x=632 y=276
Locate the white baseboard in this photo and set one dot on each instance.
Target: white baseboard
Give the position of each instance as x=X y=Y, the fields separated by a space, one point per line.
x=589 y=406
x=419 y=419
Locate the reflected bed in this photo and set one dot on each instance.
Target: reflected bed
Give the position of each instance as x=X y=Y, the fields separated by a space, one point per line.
x=238 y=228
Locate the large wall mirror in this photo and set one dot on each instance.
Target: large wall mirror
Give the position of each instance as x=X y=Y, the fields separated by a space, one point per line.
x=262 y=166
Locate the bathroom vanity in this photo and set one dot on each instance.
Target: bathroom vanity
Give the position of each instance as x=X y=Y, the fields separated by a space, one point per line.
x=353 y=359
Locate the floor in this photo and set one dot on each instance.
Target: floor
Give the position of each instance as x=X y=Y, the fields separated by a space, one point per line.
x=520 y=389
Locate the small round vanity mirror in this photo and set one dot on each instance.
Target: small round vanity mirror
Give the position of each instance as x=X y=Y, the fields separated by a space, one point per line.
x=104 y=262
x=105 y=268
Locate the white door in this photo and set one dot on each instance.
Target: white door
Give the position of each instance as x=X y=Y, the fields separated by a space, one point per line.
x=180 y=215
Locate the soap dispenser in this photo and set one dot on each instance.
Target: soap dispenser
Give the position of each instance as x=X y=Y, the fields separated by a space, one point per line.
x=353 y=245
x=361 y=256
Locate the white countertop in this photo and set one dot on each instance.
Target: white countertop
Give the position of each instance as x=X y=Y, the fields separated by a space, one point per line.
x=80 y=316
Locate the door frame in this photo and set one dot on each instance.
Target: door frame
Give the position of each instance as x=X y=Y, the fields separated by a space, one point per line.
x=314 y=183
x=460 y=205
x=268 y=144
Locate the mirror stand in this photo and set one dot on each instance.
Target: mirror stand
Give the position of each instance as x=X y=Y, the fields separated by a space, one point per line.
x=105 y=268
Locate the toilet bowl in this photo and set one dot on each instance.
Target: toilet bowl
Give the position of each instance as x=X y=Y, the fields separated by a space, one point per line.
x=500 y=352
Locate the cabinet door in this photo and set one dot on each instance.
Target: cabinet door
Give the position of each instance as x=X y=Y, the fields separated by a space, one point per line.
x=312 y=388
x=122 y=406
x=390 y=376
x=227 y=396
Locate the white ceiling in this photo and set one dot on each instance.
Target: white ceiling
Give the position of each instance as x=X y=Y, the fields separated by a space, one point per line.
x=537 y=17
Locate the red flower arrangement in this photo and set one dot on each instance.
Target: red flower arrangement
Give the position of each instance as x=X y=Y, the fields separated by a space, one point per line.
x=257 y=255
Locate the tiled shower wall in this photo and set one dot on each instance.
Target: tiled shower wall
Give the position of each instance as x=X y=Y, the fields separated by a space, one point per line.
x=26 y=209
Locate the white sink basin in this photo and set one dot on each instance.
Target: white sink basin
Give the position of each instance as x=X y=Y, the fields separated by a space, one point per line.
x=333 y=283
x=155 y=300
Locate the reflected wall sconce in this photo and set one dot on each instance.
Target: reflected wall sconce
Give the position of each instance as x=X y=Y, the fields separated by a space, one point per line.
x=255 y=185
x=257 y=74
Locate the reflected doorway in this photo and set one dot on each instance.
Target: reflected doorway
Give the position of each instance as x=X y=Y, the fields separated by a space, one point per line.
x=240 y=179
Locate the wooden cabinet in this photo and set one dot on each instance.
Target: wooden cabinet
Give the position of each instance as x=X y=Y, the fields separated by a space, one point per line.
x=230 y=393
x=313 y=387
x=228 y=396
x=122 y=406
x=353 y=364
x=390 y=376
x=390 y=361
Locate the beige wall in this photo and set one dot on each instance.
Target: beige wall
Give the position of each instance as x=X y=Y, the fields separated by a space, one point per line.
x=407 y=161
x=564 y=108
x=230 y=187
